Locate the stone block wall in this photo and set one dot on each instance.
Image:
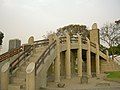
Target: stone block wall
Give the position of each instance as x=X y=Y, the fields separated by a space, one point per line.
x=109 y=66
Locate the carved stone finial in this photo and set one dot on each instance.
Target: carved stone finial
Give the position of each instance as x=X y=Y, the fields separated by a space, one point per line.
x=94 y=26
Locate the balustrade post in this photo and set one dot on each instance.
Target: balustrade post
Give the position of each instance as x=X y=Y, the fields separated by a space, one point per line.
x=31 y=42
x=30 y=76
x=5 y=76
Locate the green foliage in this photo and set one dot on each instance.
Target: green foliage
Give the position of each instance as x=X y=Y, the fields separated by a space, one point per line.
x=114 y=75
x=115 y=50
x=1 y=37
x=102 y=47
x=74 y=29
x=110 y=34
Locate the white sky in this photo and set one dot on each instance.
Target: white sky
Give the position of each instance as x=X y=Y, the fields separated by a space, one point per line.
x=23 y=18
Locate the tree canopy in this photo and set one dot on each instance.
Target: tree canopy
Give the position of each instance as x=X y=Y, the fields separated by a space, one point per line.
x=110 y=34
x=74 y=29
x=1 y=37
x=116 y=50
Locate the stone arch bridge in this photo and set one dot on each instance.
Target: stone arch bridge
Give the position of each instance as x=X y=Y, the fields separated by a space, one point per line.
x=32 y=65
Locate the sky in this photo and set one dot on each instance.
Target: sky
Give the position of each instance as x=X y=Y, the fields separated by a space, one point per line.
x=20 y=19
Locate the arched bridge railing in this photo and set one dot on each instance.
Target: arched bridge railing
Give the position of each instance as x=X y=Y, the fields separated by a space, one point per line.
x=16 y=63
x=43 y=42
x=27 y=52
x=10 y=53
x=75 y=40
x=43 y=56
x=15 y=51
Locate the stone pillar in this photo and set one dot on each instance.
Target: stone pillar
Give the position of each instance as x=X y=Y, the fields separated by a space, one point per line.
x=5 y=76
x=67 y=57
x=57 y=60
x=94 y=34
x=73 y=61
x=30 y=76
x=88 y=58
x=97 y=60
x=62 y=64
x=79 y=55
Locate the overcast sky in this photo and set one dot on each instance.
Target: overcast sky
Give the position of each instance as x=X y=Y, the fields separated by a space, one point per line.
x=23 y=18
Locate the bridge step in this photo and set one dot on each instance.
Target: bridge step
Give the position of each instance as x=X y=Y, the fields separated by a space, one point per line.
x=23 y=68
x=17 y=80
x=34 y=58
x=21 y=74
x=41 y=49
x=13 y=87
x=26 y=63
x=16 y=87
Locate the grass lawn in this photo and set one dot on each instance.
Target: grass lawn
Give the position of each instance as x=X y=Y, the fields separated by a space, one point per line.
x=115 y=75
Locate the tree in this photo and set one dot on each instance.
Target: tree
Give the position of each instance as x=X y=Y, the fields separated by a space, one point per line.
x=1 y=37
x=116 y=50
x=110 y=34
x=73 y=29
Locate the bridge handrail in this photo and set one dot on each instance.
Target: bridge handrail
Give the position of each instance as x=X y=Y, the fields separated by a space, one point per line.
x=103 y=49
x=43 y=56
x=93 y=44
x=20 y=58
x=116 y=61
x=63 y=40
x=10 y=53
x=15 y=51
x=41 y=42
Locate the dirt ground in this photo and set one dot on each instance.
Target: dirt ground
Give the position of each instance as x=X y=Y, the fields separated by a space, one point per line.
x=93 y=84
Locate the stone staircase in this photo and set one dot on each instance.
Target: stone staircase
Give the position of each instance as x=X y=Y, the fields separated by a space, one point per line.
x=18 y=79
x=116 y=66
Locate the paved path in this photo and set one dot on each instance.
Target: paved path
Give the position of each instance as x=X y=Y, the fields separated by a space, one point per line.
x=93 y=84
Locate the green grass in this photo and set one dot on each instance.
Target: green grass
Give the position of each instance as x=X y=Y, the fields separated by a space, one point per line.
x=113 y=75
